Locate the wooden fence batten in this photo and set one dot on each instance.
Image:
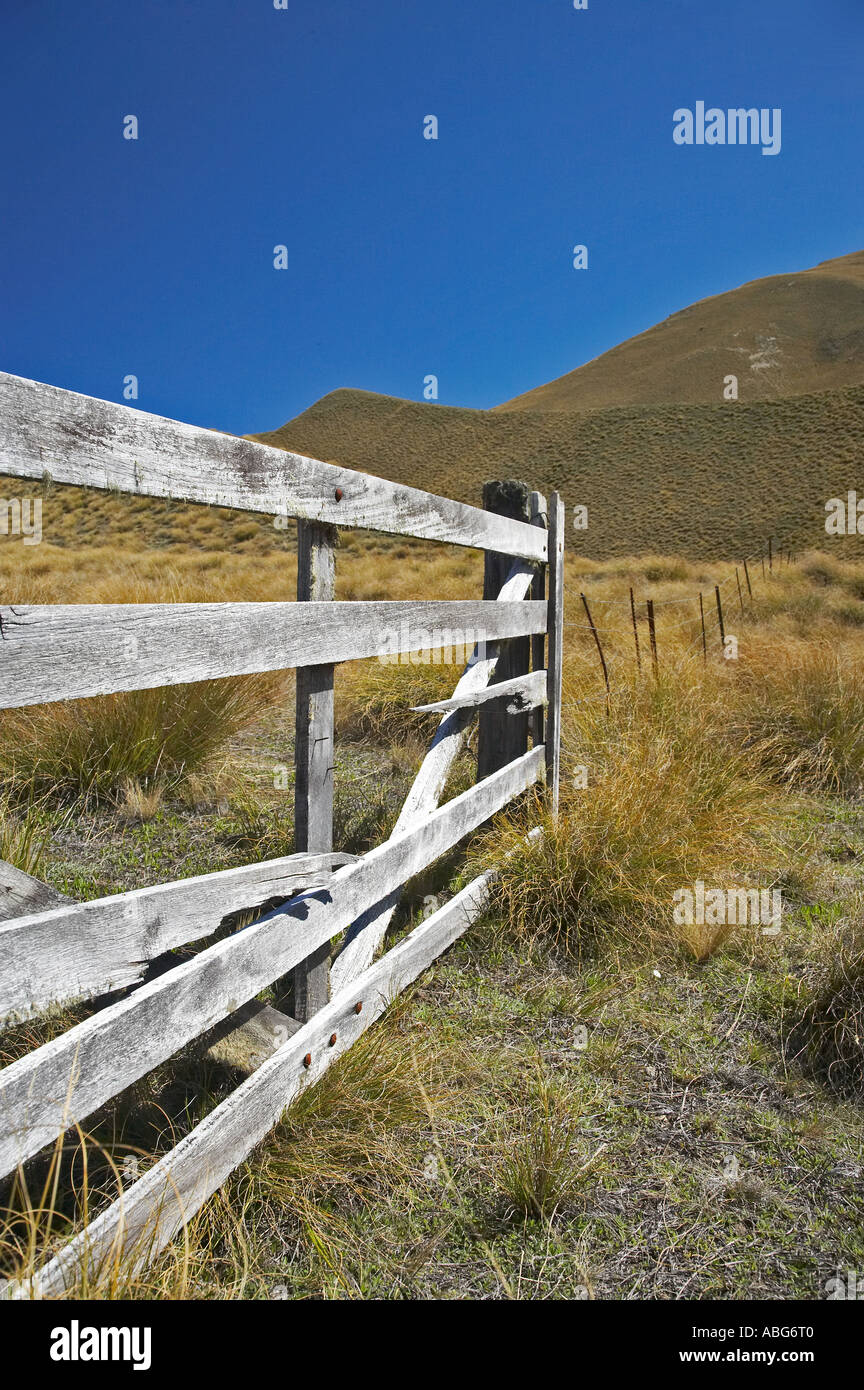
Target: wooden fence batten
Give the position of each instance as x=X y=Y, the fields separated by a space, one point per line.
x=652 y=633
x=720 y=617
x=635 y=629
x=555 y=657
x=314 y=750
x=54 y=951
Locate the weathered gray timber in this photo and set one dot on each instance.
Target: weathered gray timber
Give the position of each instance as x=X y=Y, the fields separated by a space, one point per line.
x=77 y=439
x=54 y=951
x=314 y=751
x=555 y=658
x=70 y=651
x=528 y=692
x=64 y=1081
x=502 y=736
x=132 y=1231
x=80 y=950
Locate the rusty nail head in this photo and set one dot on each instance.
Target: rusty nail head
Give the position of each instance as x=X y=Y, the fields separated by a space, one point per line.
x=339 y=494
x=332 y=1039
x=307 y=1060
x=358 y=1007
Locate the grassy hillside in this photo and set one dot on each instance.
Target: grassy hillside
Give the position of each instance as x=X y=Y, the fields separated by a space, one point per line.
x=697 y=480
x=782 y=336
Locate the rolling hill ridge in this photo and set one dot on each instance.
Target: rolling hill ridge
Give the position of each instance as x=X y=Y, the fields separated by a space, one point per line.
x=642 y=436
x=787 y=335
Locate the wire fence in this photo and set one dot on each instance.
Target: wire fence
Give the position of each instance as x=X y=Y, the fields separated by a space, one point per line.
x=708 y=616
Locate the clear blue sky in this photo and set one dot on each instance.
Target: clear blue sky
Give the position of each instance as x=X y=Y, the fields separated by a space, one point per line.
x=303 y=127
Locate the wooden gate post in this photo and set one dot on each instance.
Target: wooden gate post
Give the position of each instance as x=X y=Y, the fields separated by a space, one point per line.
x=313 y=751
x=555 y=657
x=539 y=517
x=502 y=737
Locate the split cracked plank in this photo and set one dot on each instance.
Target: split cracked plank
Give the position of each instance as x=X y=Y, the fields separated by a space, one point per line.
x=130 y=1233
x=529 y=692
x=77 y=951
x=60 y=1084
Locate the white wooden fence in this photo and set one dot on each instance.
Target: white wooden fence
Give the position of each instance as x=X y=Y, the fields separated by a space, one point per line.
x=75 y=951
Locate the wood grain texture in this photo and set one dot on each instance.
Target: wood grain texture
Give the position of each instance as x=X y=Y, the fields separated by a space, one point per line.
x=539 y=517
x=314 y=755
x=78 y=439
x=20 y=893
x=501 y=737
x=132 y=1231
x=368 y=932
x=530 y=691
x=246 y=1039
x=64 y=1081
x=556 y=649
x=80 y=950
x=69 y=651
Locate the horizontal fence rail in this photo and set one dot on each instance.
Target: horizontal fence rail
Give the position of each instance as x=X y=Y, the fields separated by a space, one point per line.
x=132 y=1231
x=81 y=950
x=78 y=439
x=63 y=1082
x=69 y=651
x=116 y=951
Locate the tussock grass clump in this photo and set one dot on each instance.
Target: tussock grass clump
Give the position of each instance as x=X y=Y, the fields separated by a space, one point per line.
x=823 y=569
x=668 y=801
x=804 y=716
x=828 y=1039
x=542 y=1166
x=94 y=748
x=374 y=700
x=354 y=1136
x=24 y=835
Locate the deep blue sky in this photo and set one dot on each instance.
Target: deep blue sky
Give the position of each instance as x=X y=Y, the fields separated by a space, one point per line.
x=406 y=257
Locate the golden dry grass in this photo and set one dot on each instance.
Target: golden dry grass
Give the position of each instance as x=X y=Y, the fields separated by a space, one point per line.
x=684 y=782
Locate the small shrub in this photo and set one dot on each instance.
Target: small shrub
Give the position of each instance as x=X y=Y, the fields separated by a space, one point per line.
x=23 y=836
x=668 y=802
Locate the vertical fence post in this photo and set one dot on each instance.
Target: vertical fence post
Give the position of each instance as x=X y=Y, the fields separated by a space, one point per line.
x=539 y=517
x=596 y=636
x=747 y=577
x=720 y=616
x=740 y=595
x=652 y=633
x=702 y=620
x=313 y=752
x=555 y=658
x=635 y=629
x=501 y=737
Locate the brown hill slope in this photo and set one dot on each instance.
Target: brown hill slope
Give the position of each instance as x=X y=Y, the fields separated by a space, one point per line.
x=699 y=480
x=782 y=336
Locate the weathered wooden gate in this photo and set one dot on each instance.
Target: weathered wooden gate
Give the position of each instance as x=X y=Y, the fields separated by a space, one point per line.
x=75 y=951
